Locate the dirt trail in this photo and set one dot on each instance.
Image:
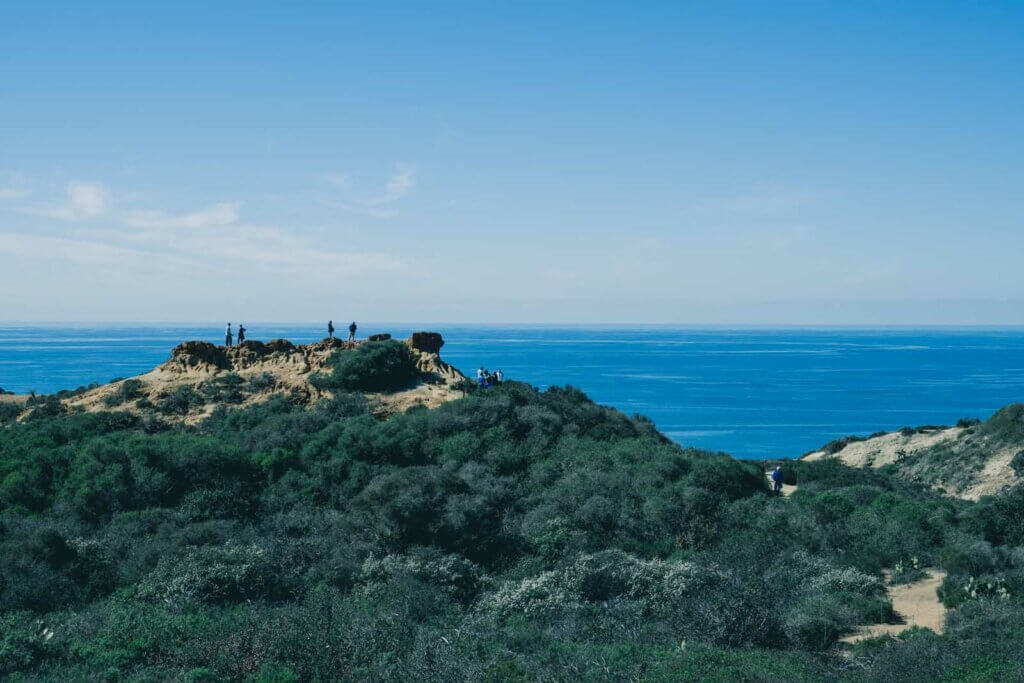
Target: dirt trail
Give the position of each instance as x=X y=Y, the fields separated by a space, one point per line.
x=916 y=604
x=787 y=490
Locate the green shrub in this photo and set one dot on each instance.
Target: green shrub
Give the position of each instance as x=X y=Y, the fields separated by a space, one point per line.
x=211 y=575
x=44 y=408
x=370 y=366
x=836 y=445
x=25 y=640
x=128 y=390
x=224 y=388
x=450 y=571
x=1006 y=425
x=1017 y=464
x=9 y=412
x=179 y=402
x=817 y=622
x=262 y=382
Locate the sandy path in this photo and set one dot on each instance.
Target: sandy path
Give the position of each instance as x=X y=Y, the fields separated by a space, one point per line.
x=916 y=604
x=787 y=490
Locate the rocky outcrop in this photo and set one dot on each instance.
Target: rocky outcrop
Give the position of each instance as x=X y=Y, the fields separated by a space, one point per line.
x=266 y=369
x=378 y=337
x=199 y=355
x=428 y=342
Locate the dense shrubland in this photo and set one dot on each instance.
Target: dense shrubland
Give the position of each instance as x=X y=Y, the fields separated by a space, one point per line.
x=509 y=535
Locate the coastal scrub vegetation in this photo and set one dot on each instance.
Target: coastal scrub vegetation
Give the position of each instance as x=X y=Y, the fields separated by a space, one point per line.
x=512 y=534
x=372 y=366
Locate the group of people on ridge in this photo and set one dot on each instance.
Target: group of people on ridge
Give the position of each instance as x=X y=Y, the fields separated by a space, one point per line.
x=229 y=337
x=486 y=378
x=227 y=334
x=351 y=330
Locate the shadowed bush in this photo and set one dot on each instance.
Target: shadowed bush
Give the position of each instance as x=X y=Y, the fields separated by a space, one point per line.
x=370 y=366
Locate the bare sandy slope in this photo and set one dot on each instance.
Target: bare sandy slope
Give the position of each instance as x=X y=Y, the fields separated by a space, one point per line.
x=967 y=462
x=995 y=476
x=915 y=604
x=890 y=448
x=278 y=368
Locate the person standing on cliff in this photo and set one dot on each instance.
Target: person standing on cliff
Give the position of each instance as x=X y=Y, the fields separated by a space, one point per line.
x=352 y=331
x=227 y=335
x=330 y=329
x=241 y=333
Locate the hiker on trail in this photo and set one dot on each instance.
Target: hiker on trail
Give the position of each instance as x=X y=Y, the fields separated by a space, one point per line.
x=227 y=335
x=480 y=376
x=241 y=333
x=499 y=377
x=330 y=329
x=777 y=479
x=352 y=332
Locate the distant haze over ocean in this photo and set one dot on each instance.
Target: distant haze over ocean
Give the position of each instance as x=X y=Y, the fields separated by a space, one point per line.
x=751 y=392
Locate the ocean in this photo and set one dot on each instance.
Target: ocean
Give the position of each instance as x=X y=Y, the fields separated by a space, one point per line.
x=755 y=393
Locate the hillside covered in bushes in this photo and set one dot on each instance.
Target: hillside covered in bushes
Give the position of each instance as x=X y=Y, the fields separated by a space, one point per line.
x=507 y=535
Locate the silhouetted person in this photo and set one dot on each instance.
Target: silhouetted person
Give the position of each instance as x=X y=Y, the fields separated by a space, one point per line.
x=352 y=331
x=330 y=329
x=241 y=333
x=227 y=335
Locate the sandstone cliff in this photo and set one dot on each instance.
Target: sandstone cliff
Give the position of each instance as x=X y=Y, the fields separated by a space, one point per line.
x=255 y=371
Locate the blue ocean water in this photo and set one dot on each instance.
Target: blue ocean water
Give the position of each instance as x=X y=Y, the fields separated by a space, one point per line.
x=755 y=393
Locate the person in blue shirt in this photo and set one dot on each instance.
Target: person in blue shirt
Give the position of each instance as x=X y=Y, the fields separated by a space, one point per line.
x=777 y=479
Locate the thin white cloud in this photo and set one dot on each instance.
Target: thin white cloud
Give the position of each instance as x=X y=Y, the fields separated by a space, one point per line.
x=224 y=213
x=275 y=250
x=398 y=185
x=362 y=209
x=85 y=200
x=12 y=185
x=244 y=247
x=379 y=204
x=63 y=249
x=9 y=194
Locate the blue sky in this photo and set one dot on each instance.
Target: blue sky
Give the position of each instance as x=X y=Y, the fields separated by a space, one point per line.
x=587 y=162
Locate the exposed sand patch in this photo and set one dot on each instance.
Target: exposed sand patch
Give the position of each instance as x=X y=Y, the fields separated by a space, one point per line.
x=915 y=604
x=964 y=462
x=888 y=448
x=995 y=476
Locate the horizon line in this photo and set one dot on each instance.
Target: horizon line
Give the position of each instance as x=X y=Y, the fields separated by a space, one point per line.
x=550 y=325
